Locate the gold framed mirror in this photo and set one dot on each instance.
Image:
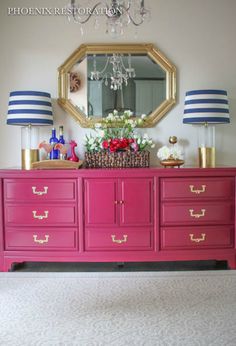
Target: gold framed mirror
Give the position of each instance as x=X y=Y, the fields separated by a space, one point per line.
x=98 y=78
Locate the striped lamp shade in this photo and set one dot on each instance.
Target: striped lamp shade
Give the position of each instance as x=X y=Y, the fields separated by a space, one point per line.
x=206 y=106
x=29 y=108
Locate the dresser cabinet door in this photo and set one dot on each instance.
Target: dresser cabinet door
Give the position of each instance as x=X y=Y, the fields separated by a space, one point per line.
x=136 y=202
x=118 y=202
x=100 y=202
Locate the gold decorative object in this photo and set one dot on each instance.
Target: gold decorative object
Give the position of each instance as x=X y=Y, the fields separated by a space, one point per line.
x=172 y=163
x=145 y=50
x=173 y=139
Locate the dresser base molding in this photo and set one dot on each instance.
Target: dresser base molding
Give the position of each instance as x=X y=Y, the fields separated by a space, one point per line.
x=118 y=257
x=117 y=215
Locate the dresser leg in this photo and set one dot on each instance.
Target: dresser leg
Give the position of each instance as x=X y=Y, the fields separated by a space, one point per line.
x=232 y=263
x=7 y=264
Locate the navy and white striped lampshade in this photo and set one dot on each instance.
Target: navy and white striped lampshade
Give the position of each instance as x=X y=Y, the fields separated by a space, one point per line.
x=206 y=106
x=29 y=108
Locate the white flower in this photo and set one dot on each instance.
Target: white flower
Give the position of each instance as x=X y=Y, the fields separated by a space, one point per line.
x=143 y=116
x=176 y=152
x=163 y=153
x=102 y=133
x=128 y=113
x=91 y=140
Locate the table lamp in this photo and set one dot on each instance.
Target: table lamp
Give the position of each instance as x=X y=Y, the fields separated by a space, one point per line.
x=206 y=108
x=29 y=109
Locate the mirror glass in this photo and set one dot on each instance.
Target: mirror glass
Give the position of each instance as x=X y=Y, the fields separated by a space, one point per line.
x=139 y=78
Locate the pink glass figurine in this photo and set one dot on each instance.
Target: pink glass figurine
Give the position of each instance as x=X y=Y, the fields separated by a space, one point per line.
x=73 y=156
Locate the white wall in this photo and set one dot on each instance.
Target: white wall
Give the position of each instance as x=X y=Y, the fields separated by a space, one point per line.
x=197 y=36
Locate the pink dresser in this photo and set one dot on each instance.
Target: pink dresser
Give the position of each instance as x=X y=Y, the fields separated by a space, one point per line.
x=118 y=215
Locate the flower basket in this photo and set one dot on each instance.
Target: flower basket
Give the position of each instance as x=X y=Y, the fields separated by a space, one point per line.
x=119 y=159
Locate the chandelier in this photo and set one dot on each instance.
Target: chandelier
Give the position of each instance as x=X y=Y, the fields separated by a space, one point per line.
x=118 y=13
x=114 y=70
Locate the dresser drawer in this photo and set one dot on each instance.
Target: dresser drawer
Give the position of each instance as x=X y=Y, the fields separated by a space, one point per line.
x=19 y=239
x=196 y=213
x=38 y=215
x=22 y=190
x=197 y=188
x=116 y=239
x=196 y=237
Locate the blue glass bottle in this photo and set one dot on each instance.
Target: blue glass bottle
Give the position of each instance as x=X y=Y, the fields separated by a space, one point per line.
x=62 y=155
x=61 y=135
x=54 y=154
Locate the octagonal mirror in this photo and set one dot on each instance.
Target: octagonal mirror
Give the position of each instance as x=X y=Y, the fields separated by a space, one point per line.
x=96 y=79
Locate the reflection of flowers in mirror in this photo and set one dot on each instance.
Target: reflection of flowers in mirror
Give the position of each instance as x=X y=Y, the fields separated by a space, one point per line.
x=170 y=153
x=116 y=133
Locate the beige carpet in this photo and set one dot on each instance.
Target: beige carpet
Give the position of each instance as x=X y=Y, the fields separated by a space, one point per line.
x=144 y=308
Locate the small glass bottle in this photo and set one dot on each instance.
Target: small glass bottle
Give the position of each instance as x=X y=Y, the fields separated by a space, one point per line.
x=62 y=154
x=54 y=154
x=61 y=135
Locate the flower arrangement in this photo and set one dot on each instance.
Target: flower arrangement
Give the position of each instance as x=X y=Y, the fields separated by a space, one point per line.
x=116 y=133
x=169 y=153
x=116 y=144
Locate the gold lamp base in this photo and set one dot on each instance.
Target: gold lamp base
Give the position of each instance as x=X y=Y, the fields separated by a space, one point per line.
x=28 y=156
x=206 y=157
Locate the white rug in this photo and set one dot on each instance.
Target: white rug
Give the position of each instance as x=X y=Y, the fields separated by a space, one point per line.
x=145 y=308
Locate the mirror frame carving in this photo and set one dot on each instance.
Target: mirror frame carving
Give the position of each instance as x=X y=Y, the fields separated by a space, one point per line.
x=149 y=49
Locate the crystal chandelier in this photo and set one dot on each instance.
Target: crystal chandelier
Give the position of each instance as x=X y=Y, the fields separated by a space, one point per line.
x=118 y=73
x=118 y=13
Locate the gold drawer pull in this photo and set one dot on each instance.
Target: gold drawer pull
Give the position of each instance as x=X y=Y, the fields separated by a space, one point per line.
x=197 y=216
x=119 y=241
x=41 y=241
x=40 y=217
x=193 y=190
x=40 y=193
x=198 y=240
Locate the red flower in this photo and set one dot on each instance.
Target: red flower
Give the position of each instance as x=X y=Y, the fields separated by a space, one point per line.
x=105 y=144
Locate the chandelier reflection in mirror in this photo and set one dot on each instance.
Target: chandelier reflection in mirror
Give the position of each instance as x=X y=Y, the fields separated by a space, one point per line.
x=114 y=70
x=118 y=13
